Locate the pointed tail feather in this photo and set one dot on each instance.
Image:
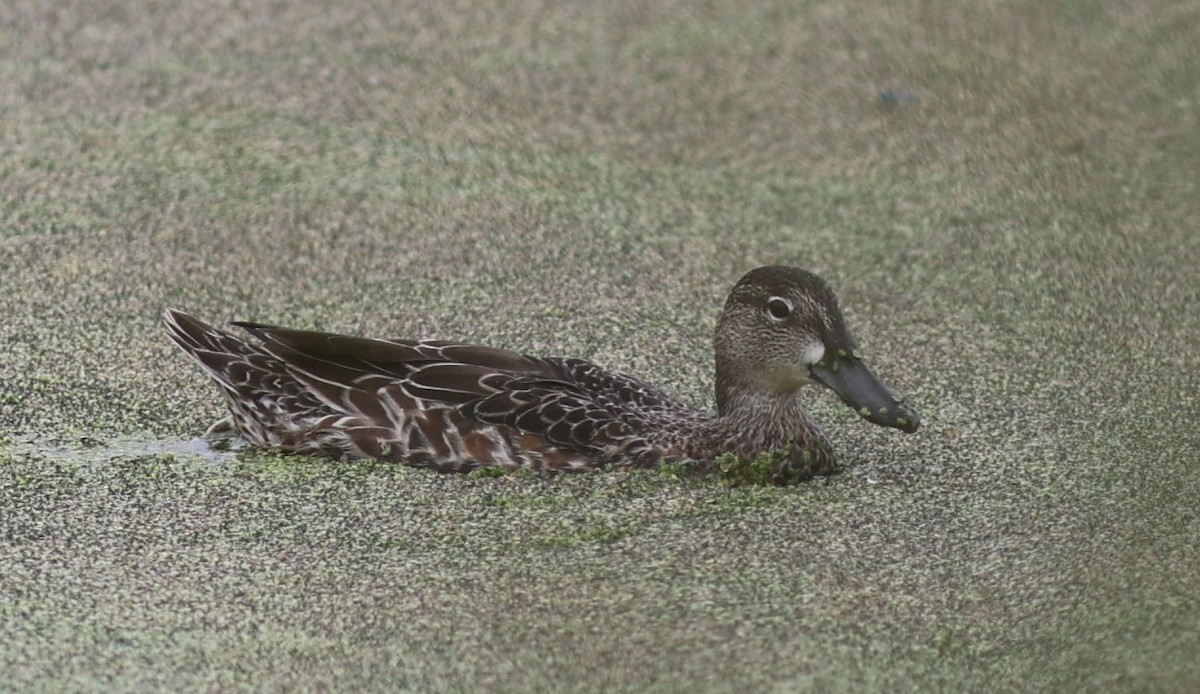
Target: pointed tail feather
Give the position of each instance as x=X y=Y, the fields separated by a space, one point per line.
x=209 y=346
x=266 y=403
x=194 y=335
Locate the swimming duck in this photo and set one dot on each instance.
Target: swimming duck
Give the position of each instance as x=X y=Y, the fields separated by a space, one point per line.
x=457 y=407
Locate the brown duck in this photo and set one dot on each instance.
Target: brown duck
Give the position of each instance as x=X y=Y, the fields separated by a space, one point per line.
x=457 y=407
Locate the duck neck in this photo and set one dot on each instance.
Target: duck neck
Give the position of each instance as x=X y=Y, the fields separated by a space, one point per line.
x=759 y=419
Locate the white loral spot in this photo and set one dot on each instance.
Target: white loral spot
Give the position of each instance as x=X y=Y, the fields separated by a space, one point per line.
x=814 y=353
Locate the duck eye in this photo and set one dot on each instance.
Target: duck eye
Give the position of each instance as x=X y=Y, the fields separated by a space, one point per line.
x=779 y=308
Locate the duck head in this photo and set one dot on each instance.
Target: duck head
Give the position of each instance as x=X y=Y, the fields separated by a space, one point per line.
x=782 y=329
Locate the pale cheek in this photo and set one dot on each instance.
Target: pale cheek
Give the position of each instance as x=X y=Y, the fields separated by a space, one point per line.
x=790 y=378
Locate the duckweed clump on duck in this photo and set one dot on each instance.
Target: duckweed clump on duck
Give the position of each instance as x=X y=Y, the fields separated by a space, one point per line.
x=673 y=470
x=488 y=471
x=784 y=466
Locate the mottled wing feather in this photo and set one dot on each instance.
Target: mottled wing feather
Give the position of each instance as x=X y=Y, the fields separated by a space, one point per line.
x=567 y=417
x=612 y=386
x=425 y=395
x=350 y=384
x=396 y=357
x=453 y=383
x=497 y=387
x=571 y=403
x=401 y=358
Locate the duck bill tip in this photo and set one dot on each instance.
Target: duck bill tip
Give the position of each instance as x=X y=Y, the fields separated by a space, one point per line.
x=864 y=393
